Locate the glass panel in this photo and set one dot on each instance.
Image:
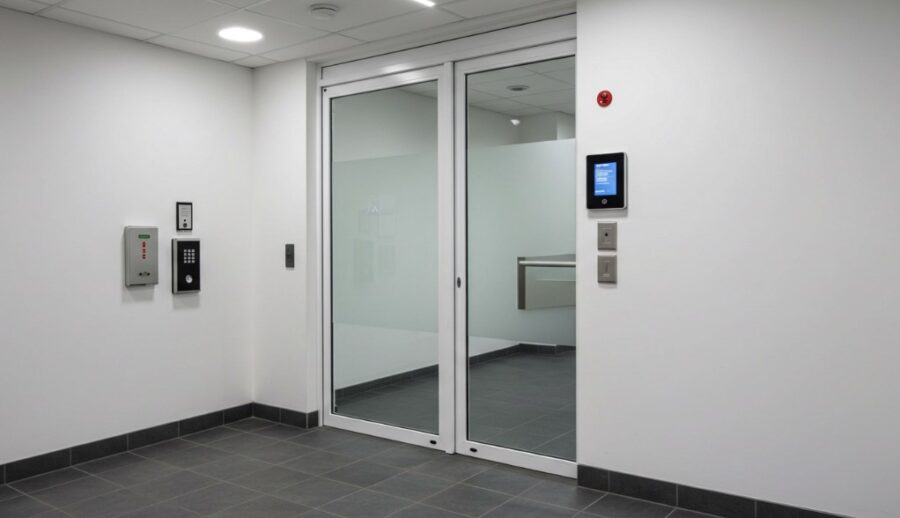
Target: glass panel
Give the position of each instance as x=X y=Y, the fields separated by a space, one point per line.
x=384 y=256
x=521 y=175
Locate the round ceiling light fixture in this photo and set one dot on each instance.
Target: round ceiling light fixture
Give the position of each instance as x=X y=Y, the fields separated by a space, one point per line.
x=517 y=88
x=240 y=34
x=323 y=11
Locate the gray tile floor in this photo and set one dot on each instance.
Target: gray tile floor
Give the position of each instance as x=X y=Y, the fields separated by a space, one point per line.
x=524 y=401
x=259 y=469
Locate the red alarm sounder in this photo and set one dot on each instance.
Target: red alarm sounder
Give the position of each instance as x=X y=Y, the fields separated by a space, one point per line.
x=604 y=98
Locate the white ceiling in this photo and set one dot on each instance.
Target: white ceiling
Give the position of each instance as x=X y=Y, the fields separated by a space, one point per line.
x=291 y=32
x=550 y=88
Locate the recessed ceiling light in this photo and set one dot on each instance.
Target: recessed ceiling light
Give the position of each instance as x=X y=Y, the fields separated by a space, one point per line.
x=515 y=122
x=426 y=3
x=240 y=34
x=323 y=11
x=517 y=88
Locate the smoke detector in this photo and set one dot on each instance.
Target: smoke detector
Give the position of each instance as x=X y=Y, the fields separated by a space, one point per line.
x=323 y=11
x=517 y=88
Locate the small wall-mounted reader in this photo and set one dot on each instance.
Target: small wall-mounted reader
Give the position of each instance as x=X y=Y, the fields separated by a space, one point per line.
x=184 y=216
x=607 y=181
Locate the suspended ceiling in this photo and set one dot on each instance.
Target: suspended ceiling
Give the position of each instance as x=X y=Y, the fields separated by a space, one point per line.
x=290 y=31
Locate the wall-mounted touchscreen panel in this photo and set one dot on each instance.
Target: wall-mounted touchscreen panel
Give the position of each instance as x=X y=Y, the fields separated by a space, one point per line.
x=606 y=187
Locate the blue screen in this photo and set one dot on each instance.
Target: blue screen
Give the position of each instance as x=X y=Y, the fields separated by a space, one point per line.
x=605 y=179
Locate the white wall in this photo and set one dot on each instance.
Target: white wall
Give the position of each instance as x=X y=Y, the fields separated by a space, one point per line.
x=751 y=343
x=284 y=356
x=99 y=132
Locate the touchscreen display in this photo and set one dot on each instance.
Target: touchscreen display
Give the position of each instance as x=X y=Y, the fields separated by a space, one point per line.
x=605 y=179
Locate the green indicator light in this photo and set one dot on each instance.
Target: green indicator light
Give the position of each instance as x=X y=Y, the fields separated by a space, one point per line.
x=143 y=236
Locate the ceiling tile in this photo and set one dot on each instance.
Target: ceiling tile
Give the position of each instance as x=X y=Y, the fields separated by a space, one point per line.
x=329 y=43
x=22 y=5
x=525 y=111
x=417 y=21
x=535 y=83
x=566 y=76
x=500 y=105
x=100 y=24
x=156 y=15
x=352 y=12
x=475 y=8
x=568 y=108
x=242 y=3
x=194 y=47
x=474 y=96
x=254 y=61
x=549 y=98
x=276 y=34
x=552 y=65
x=497 y=75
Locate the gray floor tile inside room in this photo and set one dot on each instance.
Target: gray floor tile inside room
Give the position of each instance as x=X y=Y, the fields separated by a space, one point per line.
x=256 y=468
x=524 y=401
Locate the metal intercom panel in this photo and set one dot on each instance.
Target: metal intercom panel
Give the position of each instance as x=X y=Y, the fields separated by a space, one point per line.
x=141 y=256
x=185 y=265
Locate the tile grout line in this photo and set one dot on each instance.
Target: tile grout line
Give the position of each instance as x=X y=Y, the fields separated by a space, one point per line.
x=277 y=440
x=60 y=509
x=119 y=487
x=126 y=488
x=508 y=496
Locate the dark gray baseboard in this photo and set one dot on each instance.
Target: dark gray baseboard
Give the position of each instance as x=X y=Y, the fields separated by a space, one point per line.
x=285 y=416
x=695 y=499
x=40 y=464
x=432 y=370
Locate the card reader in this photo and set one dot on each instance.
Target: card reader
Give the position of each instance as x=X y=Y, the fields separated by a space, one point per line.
x=185 y=265
x=607 y=181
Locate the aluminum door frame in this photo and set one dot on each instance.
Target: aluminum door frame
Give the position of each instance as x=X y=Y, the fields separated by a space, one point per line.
x=444 y=439
x=463 y=444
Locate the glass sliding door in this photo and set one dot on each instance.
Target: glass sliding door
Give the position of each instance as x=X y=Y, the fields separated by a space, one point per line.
x=448 y=257
x=385 y=332
x=516 y=169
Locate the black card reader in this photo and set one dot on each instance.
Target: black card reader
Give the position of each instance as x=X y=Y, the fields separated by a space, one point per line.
x=185 y=265
x=607 y=181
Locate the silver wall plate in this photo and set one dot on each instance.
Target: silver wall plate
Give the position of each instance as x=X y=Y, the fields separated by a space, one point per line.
x=607 y=235
x=607 y=269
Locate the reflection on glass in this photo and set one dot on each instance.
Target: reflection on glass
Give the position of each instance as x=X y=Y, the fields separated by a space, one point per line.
x=384 y=256
x=521 y=177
